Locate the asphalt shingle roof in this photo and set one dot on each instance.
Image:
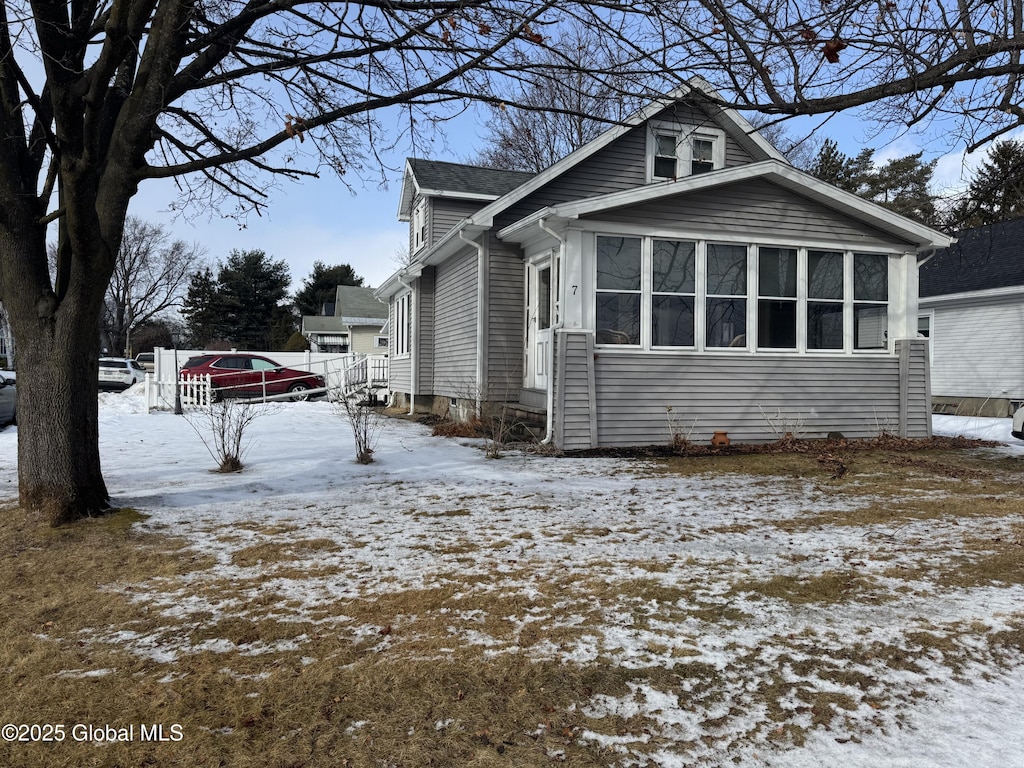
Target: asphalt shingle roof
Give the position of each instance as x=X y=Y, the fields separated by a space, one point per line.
x=983 y=258
x=439 y=175
x=353 y=301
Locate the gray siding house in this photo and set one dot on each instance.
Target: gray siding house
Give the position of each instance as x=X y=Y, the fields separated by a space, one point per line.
x=353 y=322
x=675 y=262
x=972 y=311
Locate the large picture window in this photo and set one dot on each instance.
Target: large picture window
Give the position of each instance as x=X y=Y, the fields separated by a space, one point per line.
x=776 y=298
x=618 y=290
x=661 y=294
x=726 y=295
x=825 y=300
x=673 y=288
x=870 y=301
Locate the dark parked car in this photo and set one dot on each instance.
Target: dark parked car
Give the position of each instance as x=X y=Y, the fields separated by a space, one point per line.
x=234 y=374
x=8 y=411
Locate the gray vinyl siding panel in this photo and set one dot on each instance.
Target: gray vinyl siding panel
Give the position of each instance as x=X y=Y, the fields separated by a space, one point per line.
x=575 y=417
x=614 y=168
x=856 y=395
x=446 y=212
x=399 y=368
x=978 y=351
x=505 y=315
x=425 y=331
x=398 y=374
x=455 y=326
x=756 y=209
x=918 y=422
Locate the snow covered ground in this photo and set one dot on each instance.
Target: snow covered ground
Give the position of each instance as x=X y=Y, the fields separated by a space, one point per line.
x=694 y=551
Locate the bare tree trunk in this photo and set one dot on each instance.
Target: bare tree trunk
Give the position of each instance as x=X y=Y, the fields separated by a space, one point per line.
x=59 y=475
x=58 y=422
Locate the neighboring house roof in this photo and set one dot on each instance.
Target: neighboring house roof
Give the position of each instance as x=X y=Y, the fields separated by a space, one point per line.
x=437 y=178
x=321 y=324
x=358 y=306
x=354 y=305
x=983 y=259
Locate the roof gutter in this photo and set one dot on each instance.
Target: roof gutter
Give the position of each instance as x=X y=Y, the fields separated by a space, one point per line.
x=556 y=266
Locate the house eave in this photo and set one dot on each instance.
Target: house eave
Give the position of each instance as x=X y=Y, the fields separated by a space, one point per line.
x=361 y=321
x=965 y=298
x=443 y=249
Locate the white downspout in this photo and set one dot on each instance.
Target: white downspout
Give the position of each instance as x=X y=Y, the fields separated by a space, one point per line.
x=556 y=267
x=413 y=346
x=481 y=320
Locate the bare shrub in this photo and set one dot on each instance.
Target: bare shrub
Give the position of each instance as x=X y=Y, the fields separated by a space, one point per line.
x=679 y=431
x=366 y=423
x=450 y=428
x=788 y=427
x=222 y=428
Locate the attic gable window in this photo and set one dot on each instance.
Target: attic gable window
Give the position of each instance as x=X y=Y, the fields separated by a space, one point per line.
x=676 y=150
x=419 y=224
x=665 y=160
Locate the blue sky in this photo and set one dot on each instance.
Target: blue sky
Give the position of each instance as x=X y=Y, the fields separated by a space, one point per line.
x=321 y=219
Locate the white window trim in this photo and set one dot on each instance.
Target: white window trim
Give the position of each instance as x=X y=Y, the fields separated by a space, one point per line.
x=403 y=325
x=684 y=135
x=419 y=224
x=752 y=296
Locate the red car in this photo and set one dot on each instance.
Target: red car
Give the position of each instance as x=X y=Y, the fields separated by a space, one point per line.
x=237 y=374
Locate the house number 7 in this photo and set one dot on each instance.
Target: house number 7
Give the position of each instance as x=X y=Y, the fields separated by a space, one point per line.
x=574 y=289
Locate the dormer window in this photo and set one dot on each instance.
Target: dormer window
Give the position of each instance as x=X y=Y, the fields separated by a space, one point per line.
x=703 y=155
x=665 y=159
x=678 y=150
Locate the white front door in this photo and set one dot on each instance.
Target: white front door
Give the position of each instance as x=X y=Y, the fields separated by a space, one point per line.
x=539 y=317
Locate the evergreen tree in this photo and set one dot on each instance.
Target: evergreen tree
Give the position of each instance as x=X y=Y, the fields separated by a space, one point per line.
x=202 y=310
x=841 y=170
x=996 y=192
x=320 y=287
x=251 y=289
x=901 y=184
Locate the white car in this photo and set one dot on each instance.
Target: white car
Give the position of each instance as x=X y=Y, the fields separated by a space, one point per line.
x=1017 y=430
x=120 y=373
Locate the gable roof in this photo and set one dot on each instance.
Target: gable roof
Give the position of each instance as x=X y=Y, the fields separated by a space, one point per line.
x=438 y=178
x=357 y=303
x=982 y=259
x=697 y=88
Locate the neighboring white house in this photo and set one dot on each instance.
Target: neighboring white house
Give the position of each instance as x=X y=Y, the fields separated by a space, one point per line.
x=354 y=322
x=972 y=310
x=677 y=261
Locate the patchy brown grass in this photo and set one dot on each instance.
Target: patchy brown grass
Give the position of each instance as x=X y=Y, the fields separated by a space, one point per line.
x=390 y=679
x=829 y=588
